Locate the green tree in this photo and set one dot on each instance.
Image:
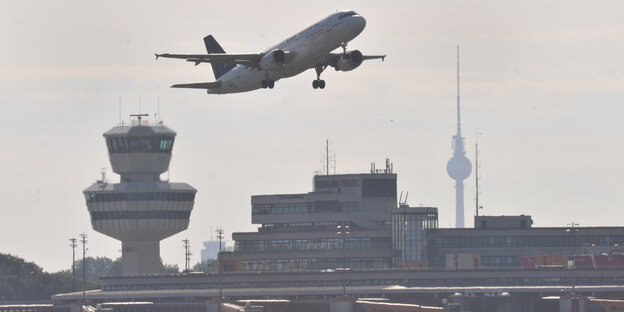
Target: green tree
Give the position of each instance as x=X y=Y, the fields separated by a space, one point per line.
x=21 y=280
x=208 y=266
x=96 y=268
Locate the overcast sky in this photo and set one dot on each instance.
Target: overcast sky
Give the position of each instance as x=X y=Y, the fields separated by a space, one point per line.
x=542 y=80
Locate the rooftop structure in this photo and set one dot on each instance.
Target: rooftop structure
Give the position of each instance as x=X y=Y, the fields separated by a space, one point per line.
x=141 y=209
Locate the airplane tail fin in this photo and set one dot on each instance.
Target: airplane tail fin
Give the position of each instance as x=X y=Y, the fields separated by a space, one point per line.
x=212 y=46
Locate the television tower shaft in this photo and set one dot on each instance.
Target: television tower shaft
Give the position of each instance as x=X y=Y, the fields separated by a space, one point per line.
x=459 y=167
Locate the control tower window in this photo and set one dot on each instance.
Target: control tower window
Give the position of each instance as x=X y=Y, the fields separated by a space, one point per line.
x=134 y=144
x=116 y=145
x=145 y=144
x=140 y=144
x=138 y=196
x=166 y=144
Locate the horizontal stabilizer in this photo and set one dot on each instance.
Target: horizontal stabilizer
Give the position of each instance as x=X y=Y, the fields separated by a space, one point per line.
x=199 y=85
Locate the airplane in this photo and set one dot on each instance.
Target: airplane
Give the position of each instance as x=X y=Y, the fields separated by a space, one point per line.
x=309 y=48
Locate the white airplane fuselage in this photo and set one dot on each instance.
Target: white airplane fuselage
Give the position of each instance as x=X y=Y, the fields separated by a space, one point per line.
x=307 y=49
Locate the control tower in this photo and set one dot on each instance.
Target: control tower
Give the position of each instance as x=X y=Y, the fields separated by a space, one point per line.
x=459 y=167
x=141 y=209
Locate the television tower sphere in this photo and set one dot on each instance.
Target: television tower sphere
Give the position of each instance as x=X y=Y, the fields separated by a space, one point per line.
x=459 y=167
x=141 y=209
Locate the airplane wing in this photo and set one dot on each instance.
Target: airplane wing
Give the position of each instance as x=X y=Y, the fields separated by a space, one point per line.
x=199 y=85
x=332 y=58
x=372 y=57
x=346 y=61
x=216 y=58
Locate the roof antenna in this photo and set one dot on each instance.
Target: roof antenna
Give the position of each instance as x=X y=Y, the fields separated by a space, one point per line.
x=328 y=161
x=327 y=156
x=158 y=108
x=139 y=116
x=477 y=207
x=120 y=110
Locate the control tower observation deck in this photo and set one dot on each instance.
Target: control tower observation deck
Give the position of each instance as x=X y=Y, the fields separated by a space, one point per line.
x=141 y=209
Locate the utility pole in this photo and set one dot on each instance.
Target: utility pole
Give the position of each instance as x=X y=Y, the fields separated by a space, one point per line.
x=83 y=239
x=343 y=231
x=187 y=255
x=73 y=246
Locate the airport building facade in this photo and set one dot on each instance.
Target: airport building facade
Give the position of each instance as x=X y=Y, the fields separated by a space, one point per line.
x=351 y=231
x=298 y=232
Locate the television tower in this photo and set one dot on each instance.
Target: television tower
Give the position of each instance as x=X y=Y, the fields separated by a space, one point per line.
x=459 y=167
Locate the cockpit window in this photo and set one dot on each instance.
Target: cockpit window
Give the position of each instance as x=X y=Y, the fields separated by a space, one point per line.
x=350 y=13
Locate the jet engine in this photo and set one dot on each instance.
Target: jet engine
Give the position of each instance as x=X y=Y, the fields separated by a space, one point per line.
x=273 y=60
x=349 y=61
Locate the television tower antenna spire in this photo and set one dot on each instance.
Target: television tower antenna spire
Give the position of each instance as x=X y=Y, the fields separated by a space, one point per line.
x=458 y=108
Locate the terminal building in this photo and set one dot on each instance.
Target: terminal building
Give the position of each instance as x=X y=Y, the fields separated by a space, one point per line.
x=351 y=230
x=299 y=232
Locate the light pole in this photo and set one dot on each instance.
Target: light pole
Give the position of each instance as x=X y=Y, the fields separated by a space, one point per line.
x=83 y=239
x=220 y=237
x=343 y=231
x=187 y=255
x=573 y=228
x=73 y=246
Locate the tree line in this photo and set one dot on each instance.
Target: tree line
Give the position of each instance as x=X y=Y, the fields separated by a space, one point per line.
x=22 y=280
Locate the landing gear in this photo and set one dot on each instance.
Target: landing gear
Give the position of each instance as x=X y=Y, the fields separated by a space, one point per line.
x=268 y=83
x=344 y=47
x=318 y=83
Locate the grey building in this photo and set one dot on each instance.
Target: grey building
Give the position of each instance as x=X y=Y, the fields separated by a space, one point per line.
x=503 y=242
x=299 y=231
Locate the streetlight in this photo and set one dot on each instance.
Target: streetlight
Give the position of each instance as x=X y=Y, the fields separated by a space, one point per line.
x=220 y=237
x=73 y=245
x=83 y=239
x=342 y=231
x=573 y=228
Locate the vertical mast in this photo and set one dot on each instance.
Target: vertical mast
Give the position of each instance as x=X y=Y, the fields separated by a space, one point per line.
x=477 y=176
x=458 y=112
x=327 y=157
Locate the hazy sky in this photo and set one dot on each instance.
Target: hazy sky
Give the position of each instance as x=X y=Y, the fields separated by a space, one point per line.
x=542 y=80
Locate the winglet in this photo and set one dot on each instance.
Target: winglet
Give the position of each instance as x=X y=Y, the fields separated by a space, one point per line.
x=156 y=56
x=383 y=58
